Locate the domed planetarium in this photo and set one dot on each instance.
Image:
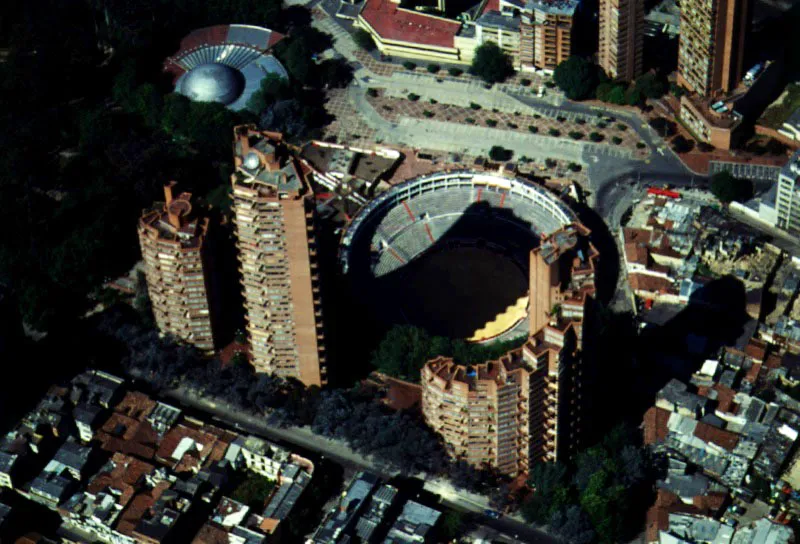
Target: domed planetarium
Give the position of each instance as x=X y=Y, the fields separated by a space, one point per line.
x=224 y=63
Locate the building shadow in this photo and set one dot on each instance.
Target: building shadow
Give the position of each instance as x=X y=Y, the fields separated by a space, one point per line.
x=630 y=368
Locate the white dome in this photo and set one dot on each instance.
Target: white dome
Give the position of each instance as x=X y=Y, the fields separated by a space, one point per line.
x=212 y=82
x=251 y=161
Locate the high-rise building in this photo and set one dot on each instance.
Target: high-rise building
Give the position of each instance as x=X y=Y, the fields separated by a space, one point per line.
x=546 y=33
x=173 y=243
x=526 y=406
x=621 y=38
x=787 y=201
x=274 y=216
x=711 y=46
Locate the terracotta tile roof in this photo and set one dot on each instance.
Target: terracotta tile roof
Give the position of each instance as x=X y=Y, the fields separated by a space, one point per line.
x=650 y=284
x=213 y=441
x=402 y=25
x=135 y=405
x=752 y=373
x=491 y=5
x=138 y=506
x=125 y=477
x=121 y=433
x=725 y=398
x=756 y=349
x=773 y=362
x=655 y=425
x=210 y=534
x=710 y=503
x=720 y=437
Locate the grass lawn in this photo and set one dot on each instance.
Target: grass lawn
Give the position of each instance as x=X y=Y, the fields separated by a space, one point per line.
x=253 y=490
x=776 y=114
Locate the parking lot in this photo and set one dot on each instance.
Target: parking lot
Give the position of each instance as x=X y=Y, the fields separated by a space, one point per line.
x=746 y=171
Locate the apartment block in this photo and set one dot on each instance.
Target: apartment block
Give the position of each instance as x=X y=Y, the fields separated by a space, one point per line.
x=788 y=198
x=546 y=33
x=274 y=217
x=526 y=406
x=621 y=38
x=711 y=47
x=480 y=410
x=173 y=243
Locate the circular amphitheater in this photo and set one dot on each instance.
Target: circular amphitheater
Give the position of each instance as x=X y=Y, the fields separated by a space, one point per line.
x=449 y=252
x=224 y=63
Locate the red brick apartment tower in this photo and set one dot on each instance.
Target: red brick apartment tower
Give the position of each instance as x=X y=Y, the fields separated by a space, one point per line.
x=711 y=46
x=481 y=411
x=621 y=38
x=526 y=406
x=274 y=217
x=174 y=246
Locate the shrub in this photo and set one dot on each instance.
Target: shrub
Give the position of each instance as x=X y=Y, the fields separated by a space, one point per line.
x=554 y=132
x=525 y=82
x=622 y=126
x=640 y=145
x=363 y=39
x=580 y=121
x=491 y=123
x=433 y=68
x=533 y=129
x=574 y=167
x=561 y=118
x=408 y=65
x=616 y=140
x=595 y=137
x=413 y=97
x=474 y=106
x=537 y=116
x=550 y=163
x=455 y=72
x=433 y=101
x=495 y=110
x=549 y=84
x=512 y=125
x=372 y=92
x=428 y=113
x=469 y=120
x=575 y=135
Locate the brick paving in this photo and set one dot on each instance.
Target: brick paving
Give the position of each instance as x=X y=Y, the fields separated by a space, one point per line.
x=395 y=108
x=347 y=125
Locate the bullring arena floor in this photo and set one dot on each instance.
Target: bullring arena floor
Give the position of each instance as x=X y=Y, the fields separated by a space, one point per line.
x=463 y=292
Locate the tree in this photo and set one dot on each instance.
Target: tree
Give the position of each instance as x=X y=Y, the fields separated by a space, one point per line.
x=284 y=116
x=271 y=89
x=550 y=491
x=364 y=39
x=500 y=154
x=728 y=188
x=616 y=95
x=573 y=525
x=433 y=68
x=577 y=77
x=651 y=85
x=680 y=144
x=452 y=524
x=491 y=64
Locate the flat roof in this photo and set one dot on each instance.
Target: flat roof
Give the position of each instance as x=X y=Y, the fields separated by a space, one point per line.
x=391 y=22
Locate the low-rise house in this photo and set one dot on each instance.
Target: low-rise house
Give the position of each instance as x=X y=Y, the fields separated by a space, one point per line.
x=415 y=524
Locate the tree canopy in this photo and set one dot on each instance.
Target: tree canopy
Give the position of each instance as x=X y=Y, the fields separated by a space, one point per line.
x=728 y=188
x=577 y=77
x=405 y=349
x=601 y=499
x=491 y=64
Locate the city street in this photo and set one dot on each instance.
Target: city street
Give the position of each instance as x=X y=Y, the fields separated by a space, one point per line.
x=340 y=453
